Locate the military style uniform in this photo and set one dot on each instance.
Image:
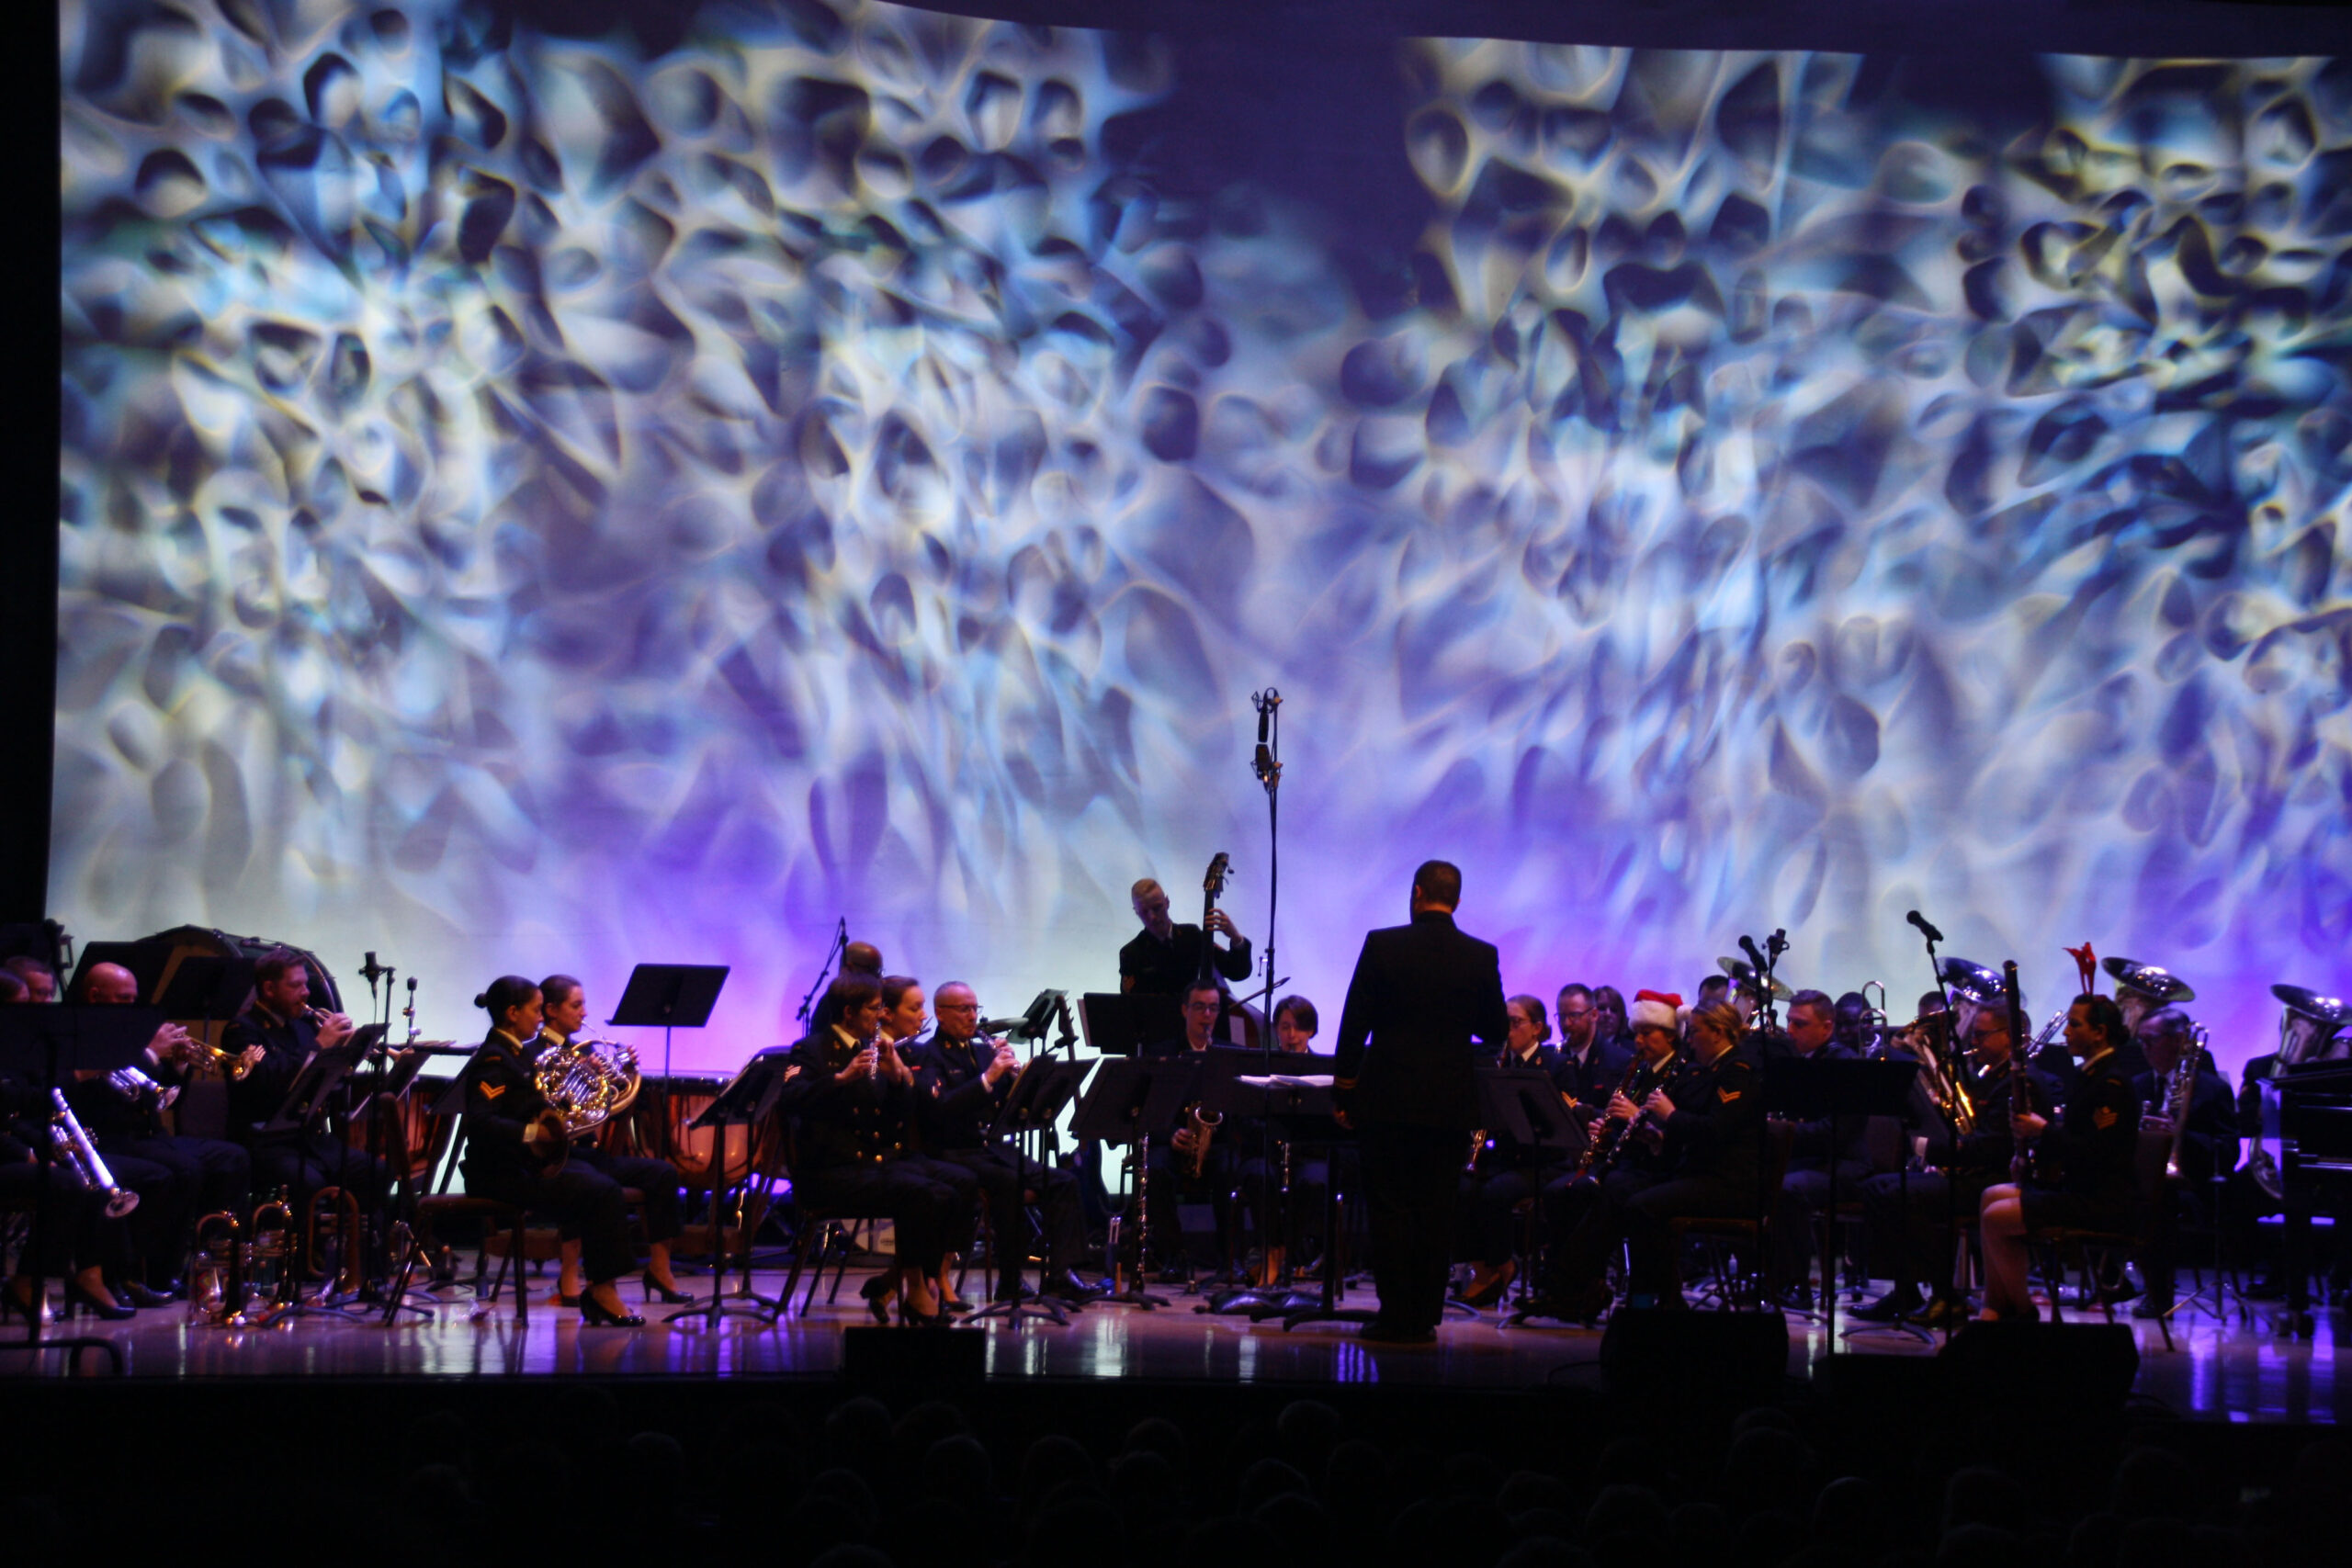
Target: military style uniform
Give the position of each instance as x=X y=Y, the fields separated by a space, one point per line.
x=958 y=1107
x=853 y=1151
x=302 y=1161
x=502 y=1100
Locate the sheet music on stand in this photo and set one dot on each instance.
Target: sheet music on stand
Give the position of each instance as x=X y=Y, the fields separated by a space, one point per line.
x=1046 y=1086
x=312 y=1087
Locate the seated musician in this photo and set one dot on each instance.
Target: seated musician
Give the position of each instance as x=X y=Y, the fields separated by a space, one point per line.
x=962 y=1081
x=1625 y=1157
x=201 y=1176
x=1591 y=1063
x=2208 y=1144
x=74 y=1241
x=37 y=978
x=1502 y=1173
x=517 y=1152
x=277 y=1035
x=857 y=958
x=1295 y=1182
x=1820 y=1154
x=564 y=1011
x=1172 y=1178
x=852 y=1101
x=2083 y=1174
x=1908 y=1216
x=1712 y=1117
x=903 y=1019
x=1164 y=957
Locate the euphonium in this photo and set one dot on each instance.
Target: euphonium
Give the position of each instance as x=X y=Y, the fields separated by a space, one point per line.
x=586 y=1082
x=216 y=1279
x=73 y=1148
x=1202 y=1125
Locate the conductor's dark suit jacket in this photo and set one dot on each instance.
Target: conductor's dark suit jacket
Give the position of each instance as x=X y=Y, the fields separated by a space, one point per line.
x=1421 y=995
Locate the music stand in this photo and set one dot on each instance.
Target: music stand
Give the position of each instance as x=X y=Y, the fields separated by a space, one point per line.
x=1129 y=1097
x=1039 y=1095
x=749 y=1100
x=307 y=1096
x=667 y=996
x=1297 y=1107
x=1805 y=1088
x=1109 y=1020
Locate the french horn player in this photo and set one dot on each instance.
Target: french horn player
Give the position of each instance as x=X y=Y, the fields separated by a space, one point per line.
x=564 y=1014
x=517 y=1148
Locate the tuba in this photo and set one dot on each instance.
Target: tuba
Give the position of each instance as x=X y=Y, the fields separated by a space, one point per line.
x=586 y=1082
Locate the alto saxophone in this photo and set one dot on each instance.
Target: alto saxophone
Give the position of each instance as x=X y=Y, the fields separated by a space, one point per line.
x=1202 y=1125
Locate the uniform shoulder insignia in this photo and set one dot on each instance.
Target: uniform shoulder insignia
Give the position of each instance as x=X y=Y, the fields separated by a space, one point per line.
x=1728 y=1095
x=492 y=1090
x=2104 y=1117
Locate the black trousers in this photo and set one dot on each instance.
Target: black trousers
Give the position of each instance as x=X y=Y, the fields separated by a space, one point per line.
x=1006 y=1179
x=207 y=1175
x=305 y=1162
x=586 y=1206
x=1804 y=1194
x=657 y=1179
x=1649 y=1235
x=1908 y=1223
x=1290 y=1221
x=1489 y=1218
x=1168 y=1189
x=925 y=1206
x=1410 y=1178
x=1584 y=1219
x=70 y=1230
x=166 y=1210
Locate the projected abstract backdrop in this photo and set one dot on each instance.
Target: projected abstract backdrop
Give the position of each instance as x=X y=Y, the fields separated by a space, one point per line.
x=535 y=500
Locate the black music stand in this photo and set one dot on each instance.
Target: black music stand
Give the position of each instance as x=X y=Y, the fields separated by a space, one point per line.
x=748 y=1101
x=1805 y=1088
x=668 y=996
x=1130 y=1097
x=1111 y=1025
x=1043 y=1090
x=1524 y=1105
x=1296 y=1106
x=48 y=1045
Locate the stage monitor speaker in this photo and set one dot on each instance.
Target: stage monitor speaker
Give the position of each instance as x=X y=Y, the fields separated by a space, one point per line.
x=1696 y=1358
x=950 y=1362
x=2079 y=1367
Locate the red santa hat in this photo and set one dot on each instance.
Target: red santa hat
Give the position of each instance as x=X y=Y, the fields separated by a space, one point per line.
x=1655 y=1009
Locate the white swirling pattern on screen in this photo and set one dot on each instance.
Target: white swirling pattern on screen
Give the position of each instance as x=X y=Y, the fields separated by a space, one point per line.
x=534 y=501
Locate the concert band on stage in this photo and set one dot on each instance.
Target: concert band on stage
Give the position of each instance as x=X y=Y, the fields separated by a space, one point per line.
x=889 y=1114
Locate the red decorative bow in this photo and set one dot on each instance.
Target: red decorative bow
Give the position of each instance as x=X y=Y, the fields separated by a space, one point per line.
x=2088 y=961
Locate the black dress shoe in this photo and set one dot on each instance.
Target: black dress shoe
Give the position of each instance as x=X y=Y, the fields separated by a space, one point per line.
x=1067 y=1285
x=594 y=1314
x=877 y=1292
x=1378 y=1332
x=77 y=1297
x=170 y=1289
x=1892 y=1307
x=1945 y=1312
x=139 y=1296
x=1493 y=1290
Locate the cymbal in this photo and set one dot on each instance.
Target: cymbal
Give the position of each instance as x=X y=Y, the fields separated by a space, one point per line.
x=1973 y=980
x=2330 y=1010
x=1743 y=975
x=2149 y=980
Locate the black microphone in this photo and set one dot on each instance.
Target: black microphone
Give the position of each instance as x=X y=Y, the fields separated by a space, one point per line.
x=1748 y=946
x=1926 y=930
x=1263 y=713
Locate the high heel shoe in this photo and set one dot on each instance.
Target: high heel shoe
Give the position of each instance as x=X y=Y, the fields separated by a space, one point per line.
x=15 y=1305
x=1492 y=1292
x=877 y=1292
x=913 y=1319
x=78 y=1295
x=670 y=1295
x=594 y=1314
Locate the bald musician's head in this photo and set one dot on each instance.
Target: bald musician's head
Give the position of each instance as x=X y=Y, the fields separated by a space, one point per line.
x=862 y=958
x=1150 y=902
x=110 y=985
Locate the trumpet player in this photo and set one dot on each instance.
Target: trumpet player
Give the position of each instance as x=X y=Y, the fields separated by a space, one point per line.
x=515 y=1152
x=962 y=1081
x=72 y=1238
x=2181 y=1078
x=177 y=1178
x=272 y=1038
x=563 y=1012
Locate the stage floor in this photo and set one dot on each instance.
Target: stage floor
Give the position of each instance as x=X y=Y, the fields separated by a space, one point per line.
x=2215 y=1371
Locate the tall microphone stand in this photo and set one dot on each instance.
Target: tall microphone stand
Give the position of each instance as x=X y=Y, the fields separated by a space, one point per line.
x=839 y=945
x=1266 y=762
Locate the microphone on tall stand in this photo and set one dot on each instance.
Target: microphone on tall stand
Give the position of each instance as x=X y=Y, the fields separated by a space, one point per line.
x=1748 y=946
x=1926 y=930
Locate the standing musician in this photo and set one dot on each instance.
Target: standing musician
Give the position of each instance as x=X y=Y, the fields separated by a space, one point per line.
x=1177 y=1168
x=1908 y=1216
x=1503 y=1173
x=853 y=1105
x=517 y=1152
x=205 y=1175
x=274 y=1036
x=73 y=1240
x=1164 y=957
x=564 y=1011
x=1420 y=994
x=2083 y=1174
x=2207 y=1143
x=962 y=1081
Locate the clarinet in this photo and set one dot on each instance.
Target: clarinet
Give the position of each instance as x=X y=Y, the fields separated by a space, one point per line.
x=1600 y=1159
x=2020 y=1091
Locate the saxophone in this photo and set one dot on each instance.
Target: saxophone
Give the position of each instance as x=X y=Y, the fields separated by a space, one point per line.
x=1202 y=1125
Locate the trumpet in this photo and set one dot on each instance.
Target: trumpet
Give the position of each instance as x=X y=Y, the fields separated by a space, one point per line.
x=73 y=1148
x=203 y=1056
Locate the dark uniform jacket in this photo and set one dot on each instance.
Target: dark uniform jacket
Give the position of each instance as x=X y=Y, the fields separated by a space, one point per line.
x=2093 y=1148
x=1594 y=1076
x=501 y=1102
x=1987 y=1151
x=2212 y=1132
x=1420 y=996
x=1166 y=968
x=958 y=1107
x=1718 y=1121
x=836 y=1123
x=254 y=1098
x=107 y=1114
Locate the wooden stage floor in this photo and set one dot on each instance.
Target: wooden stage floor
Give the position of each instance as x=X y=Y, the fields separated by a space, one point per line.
x=2215 y=1372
